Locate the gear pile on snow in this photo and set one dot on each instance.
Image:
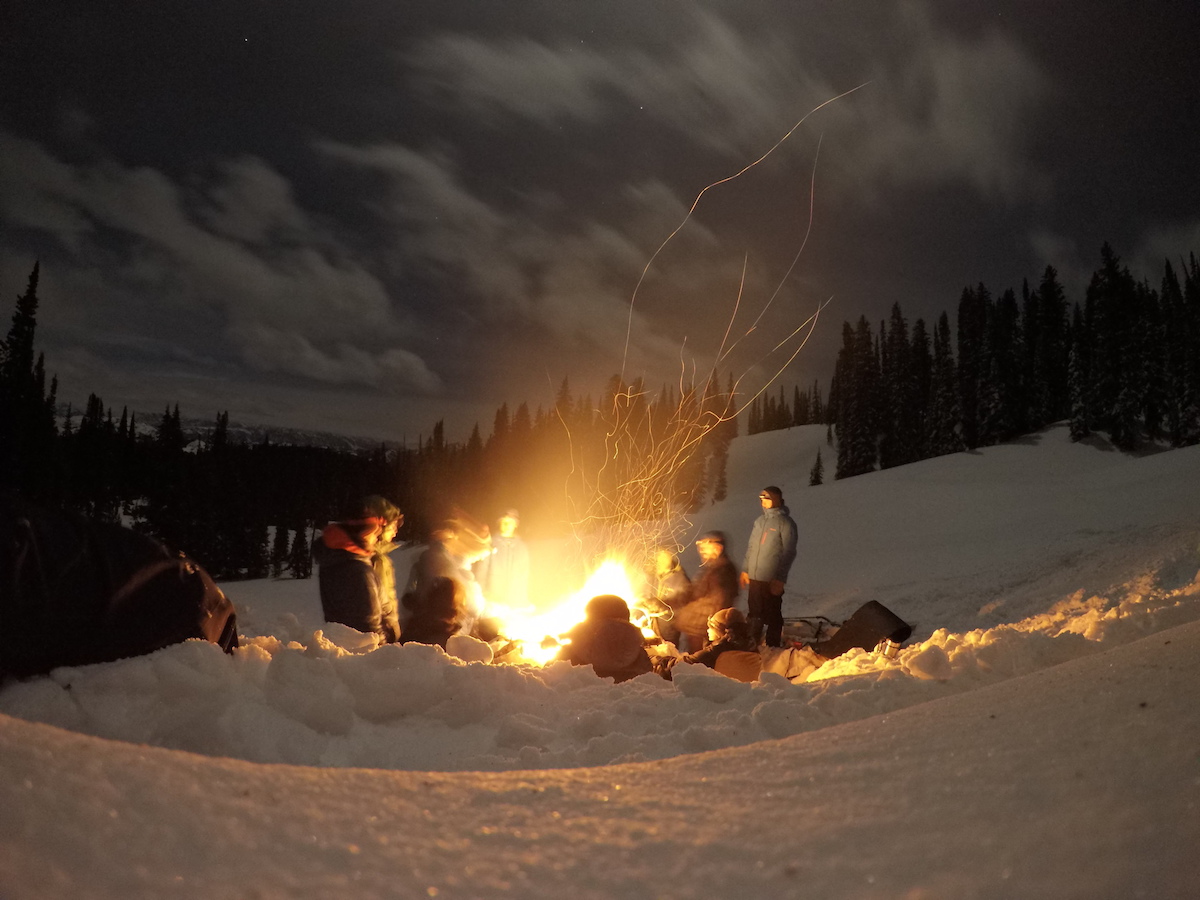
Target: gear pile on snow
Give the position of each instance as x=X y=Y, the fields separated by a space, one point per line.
x=75 y=592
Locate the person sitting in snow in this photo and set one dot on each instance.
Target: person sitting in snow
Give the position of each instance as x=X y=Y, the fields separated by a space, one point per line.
x=439 y=617
x=607 y=641
x=731 y=649
x=715 y=588
x=452 y=549
x=351 y=592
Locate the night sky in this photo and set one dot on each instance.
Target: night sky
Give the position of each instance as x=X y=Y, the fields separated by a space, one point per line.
x=364 y=216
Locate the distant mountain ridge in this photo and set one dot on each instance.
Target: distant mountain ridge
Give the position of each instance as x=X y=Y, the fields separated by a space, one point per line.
x=200 y=431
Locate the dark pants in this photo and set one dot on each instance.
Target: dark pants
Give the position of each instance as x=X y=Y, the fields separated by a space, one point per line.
x=766 y=610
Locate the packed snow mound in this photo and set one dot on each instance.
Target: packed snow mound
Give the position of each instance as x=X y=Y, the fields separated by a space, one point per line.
x=326 y=702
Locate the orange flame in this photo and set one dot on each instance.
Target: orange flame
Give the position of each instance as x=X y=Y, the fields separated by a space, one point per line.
x=530 y=627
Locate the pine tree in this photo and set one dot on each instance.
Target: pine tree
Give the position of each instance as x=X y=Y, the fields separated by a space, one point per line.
x=27 y=426
x=1001 y=407
x=857 y=376
x=1181 y=350
x=279 y=551
x=942 y=431
x=1051 y=393
x=16 y=358
x=220 y=435
x=300 y=557
x=921 y=357
x=1080 y=419
x=899 y=429
x=1111 y=314
x=816 y=474
x=972 y=330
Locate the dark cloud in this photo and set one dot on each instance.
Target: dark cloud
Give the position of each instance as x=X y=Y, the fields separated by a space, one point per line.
x=377 y=215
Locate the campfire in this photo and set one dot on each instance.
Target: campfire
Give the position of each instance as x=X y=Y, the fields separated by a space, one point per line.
x=533 y=635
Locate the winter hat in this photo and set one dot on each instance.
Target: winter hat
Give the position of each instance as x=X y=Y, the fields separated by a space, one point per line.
x=724 y=618
x=717 y=537
x=776 y=493
x=607 y=606
x=511 y=514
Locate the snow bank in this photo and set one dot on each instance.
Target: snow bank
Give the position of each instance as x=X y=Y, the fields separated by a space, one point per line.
x=335 y=700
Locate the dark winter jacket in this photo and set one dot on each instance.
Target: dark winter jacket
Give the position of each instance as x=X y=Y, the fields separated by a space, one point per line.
x=772 y=547
x=350 y=589
x=715 y=587
x=439 y=616
x=709 y=655
x=615 y=649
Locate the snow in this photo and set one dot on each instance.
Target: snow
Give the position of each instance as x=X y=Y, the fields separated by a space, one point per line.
x=1035 y=738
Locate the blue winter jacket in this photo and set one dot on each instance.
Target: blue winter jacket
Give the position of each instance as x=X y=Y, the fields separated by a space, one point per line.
x=772 y=547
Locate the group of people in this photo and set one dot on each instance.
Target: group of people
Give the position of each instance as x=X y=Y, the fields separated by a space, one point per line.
x=682 y=607
x=444 y=592
x=698 y=616
x=465 y=563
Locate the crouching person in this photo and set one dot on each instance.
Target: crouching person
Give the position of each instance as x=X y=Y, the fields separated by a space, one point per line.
x=440 y=615
x=607 y=641
x=731 y=649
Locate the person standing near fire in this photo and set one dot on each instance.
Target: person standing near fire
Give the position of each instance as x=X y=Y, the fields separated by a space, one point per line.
x=769 y=557
x=381 y=562
x=715 y=588
x=504 y=572
x=350 y=587
x=666 y=592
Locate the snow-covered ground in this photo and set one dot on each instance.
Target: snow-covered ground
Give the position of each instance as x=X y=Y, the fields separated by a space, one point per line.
x=1036 y=738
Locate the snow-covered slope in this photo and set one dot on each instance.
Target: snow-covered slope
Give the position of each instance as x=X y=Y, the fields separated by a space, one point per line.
x=1035 y=739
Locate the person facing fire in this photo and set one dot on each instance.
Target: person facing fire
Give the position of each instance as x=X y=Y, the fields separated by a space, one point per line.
x=727 y=633
x=607 y=641
x=381 y=562
x=715 y=588
x=668 y=591
x=350 y=587
x=440 y=617
x=452 y=549
x=503 y=573
x=769 y=557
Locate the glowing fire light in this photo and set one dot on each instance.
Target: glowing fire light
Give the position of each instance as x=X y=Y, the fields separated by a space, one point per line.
x=530 y=628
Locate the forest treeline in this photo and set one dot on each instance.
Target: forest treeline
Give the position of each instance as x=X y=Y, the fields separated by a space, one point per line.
x=250 y=510
x=1124 y=361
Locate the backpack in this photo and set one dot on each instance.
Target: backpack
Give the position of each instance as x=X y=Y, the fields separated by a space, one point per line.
x=871 y=623
x=75 y=591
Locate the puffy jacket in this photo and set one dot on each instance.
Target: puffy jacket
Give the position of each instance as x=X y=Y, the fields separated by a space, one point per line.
x=772 y=547
x=350 y=589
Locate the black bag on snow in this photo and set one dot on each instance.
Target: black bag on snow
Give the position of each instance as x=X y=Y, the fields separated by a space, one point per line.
x=75 y=592
x=870 y=624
